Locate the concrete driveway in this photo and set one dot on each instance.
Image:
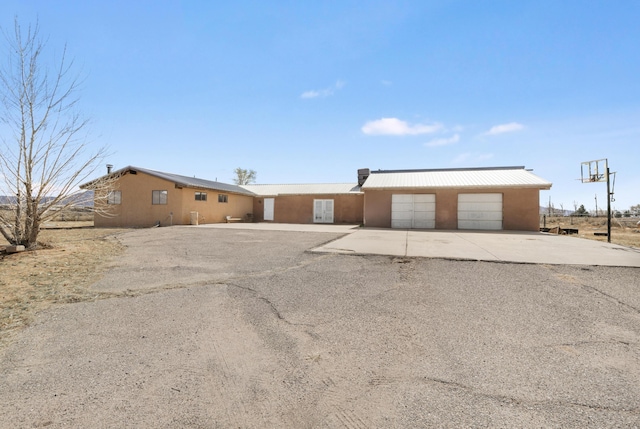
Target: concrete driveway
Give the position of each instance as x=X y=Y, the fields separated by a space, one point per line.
x=501 y=246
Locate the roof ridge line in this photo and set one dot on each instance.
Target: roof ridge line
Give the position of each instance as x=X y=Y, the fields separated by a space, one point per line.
x=430 y=170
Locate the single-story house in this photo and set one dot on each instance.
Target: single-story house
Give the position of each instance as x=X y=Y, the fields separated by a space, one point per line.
x=465 y=198
x=144 y=198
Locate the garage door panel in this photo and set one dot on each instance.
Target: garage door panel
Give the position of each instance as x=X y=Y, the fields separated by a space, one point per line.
x=479 y=206
x=476 y=215
x=424 y=224
x=480 y=211
x=401 y=207
x=483 y=198
x=413 y=211
x=494 y=225
x=424 y=198
x=403 y=216
x=402 y=198
x=402 y=224
x=424 y=207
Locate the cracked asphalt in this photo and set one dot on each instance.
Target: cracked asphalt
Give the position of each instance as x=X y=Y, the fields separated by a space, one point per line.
x=212 y=328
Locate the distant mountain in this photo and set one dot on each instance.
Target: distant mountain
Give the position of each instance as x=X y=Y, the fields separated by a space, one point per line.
x=83 y=199
x=554 y=211
x=4 y=199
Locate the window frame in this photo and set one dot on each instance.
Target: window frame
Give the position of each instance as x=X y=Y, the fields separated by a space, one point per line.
x=159 y=200
x=202 y=195
x=223 y=198
x=114 y=197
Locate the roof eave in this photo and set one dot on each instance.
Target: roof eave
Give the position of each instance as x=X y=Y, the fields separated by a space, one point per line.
x=399 y=188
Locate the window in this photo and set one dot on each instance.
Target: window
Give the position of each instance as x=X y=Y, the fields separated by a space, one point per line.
x=159 y=197
x=201 y=196
x=222 y=198
x=114 y=197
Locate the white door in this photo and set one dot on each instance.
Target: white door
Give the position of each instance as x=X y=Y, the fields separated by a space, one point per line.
x=323 y=211
x=416 y=211
x=480 y=211
x=268 y=208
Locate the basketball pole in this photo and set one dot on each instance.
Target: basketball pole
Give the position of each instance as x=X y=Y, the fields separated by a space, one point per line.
x=608 y=206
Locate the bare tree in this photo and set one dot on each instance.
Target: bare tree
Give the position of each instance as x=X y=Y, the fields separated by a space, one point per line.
x=244 y=177
x=45 y=154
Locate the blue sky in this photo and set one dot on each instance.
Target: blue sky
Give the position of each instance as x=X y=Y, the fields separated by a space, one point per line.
x=310 y=91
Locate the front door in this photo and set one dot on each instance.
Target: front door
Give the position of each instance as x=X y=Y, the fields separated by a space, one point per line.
x=323 y=211
x=269 y=203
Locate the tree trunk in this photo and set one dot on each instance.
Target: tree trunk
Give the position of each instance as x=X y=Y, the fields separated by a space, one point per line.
x=31 y=236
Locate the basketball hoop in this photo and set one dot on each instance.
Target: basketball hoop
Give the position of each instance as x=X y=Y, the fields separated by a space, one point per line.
x=593 y=171
x=598 y=171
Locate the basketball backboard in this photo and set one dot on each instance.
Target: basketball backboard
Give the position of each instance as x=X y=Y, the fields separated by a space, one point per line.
x=594 y=171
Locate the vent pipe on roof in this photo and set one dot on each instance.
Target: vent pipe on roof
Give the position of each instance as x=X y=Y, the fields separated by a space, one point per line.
x=363 y=173
x=109 y=167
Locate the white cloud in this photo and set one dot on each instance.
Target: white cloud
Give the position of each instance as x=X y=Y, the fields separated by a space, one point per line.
x=396 y=127
x=504 y=128
x=443 y=142
x=321 y=93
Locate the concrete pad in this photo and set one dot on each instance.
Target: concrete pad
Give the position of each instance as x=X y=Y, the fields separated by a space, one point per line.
x=370 y=241
x=446 y=245
x=269 y=226
x=504 y=246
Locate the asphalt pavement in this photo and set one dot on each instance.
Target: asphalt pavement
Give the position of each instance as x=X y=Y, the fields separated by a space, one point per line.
x=224 y=327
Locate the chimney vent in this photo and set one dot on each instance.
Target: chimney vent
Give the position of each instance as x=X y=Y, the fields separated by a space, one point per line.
x=109 y=167
x=363 y=173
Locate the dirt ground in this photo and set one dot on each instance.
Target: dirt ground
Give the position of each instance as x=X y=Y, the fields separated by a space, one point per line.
x=623 y=231
x=61 y=271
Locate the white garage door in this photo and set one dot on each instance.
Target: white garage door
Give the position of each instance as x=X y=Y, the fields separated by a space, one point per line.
x=416 y=211
x=480 y=211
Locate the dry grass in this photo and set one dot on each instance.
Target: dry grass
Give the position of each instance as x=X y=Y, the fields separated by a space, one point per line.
x=60 y=271
x=623 y=231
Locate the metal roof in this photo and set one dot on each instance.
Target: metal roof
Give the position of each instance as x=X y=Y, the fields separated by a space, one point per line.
x=304 y=189
x=185 y=181
x=497 y=177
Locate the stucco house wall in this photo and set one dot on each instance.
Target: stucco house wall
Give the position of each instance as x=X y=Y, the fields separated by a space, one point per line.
x=520 y=206
x=213 y=211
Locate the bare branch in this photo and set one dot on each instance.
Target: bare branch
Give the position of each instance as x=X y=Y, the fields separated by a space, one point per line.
x=45 y=154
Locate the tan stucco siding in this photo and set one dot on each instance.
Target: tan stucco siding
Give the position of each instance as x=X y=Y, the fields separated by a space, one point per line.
x=213 y=211
x=520 y=207
x=348 y=208
x=137 y=210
